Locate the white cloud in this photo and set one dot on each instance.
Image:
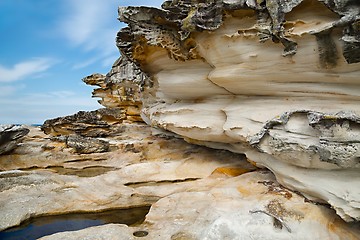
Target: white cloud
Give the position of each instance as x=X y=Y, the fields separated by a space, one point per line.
x=92 y=26
x=26 y=69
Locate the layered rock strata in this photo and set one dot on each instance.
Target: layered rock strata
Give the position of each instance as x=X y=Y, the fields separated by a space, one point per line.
x=96 y=123
x=117 y=93
x=10 y=136
x=276 y=80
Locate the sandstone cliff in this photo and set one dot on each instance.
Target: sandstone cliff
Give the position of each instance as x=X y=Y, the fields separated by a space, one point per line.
x=276 y=80
x=270 y=86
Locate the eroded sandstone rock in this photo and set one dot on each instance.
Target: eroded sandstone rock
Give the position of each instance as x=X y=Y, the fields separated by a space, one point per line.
x=98 y=123
x=10 y=136
x=276 y=80
x=195 y=192
x=37 y=180
x=117 y=92
x=250 y=206
x=84 y=144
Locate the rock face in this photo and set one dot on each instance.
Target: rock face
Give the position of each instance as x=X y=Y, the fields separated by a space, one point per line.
x=276 y=80
x=10 y=136
x=272 y=87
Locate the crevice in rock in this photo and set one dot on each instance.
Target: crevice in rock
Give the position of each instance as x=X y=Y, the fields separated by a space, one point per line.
x=85 y=159
x=90 y=171
x=158 y=183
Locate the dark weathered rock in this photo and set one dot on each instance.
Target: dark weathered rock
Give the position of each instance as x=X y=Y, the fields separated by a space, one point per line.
x=86 y=145
x=120 y=89
x=10 y=136
x=90 y=124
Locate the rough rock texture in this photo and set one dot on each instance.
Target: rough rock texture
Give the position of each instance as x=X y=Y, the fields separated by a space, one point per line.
x=84 y=145
x=98 y=123
x=195 y=192
x=276 y=80
x=124 y=99
x=10 y=136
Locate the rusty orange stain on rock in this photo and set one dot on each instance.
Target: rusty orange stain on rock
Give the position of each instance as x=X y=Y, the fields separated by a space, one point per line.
x=231 y=171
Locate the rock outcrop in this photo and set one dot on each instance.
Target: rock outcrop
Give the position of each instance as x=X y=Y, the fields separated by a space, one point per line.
x=276 y=80
x=99 y=123
x=10 y=136
x=117 y=94
x=266 y=96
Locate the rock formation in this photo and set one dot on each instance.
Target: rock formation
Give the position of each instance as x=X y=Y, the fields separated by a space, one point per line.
x=10 y=136
x=276 y=80
x=266 y=96
x=117 y=94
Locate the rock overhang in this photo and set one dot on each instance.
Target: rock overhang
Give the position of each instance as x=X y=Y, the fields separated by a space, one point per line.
x=227 y=73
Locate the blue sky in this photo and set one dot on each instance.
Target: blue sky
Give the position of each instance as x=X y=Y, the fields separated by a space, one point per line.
x=47 y=47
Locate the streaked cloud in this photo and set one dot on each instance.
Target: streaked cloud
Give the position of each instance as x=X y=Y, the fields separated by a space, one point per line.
x=92 y=26
x=25 y=69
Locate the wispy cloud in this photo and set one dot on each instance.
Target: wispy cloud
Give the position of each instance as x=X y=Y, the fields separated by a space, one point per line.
x=92 y=26
x=25 y=69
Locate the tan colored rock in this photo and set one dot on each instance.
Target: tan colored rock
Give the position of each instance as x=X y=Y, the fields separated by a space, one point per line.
x=41 y=178
x=117 y=94
x=249 y=206
x=276 y=80
x=195 y=192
